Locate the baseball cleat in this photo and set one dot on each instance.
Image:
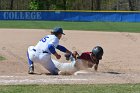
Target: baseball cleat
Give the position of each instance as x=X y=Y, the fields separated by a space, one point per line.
x=31 y=70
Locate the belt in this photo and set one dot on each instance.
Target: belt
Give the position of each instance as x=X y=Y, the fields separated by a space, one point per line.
x=42 y=52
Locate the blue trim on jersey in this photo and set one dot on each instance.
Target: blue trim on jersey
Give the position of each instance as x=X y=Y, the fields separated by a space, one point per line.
x=61 y=48
x=51 y=48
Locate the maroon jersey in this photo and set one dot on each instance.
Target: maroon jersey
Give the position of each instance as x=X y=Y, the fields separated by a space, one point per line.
x=86 y=56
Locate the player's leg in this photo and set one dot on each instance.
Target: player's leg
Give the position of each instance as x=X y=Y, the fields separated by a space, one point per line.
x=30 y=64
x=46 y=62
x=66 y=68
x=30 y=54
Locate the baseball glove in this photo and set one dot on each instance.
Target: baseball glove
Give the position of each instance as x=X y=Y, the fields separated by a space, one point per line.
x=67 y=56
x=74 y=54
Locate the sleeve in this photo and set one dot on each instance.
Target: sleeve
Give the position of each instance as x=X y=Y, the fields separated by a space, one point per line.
x=81 y=56
x=61 y=48
x=51 y=48
x=54 y=42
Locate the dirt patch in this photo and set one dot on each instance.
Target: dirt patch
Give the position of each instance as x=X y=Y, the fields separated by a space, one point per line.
x=120 y=64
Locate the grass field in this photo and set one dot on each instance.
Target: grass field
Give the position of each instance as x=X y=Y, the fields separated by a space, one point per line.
x=97 y=26
x=124 y=88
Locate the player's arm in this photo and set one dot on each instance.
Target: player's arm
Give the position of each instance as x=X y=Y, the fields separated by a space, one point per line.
x=52 y=50
x=63 y=49
x=96 y=67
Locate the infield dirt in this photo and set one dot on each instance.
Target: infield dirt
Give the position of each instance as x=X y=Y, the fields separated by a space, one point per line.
x=120 y=64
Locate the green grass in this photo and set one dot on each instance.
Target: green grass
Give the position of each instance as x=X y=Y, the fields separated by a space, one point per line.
x=2 y=58
x=115 y=88
x=91 y=26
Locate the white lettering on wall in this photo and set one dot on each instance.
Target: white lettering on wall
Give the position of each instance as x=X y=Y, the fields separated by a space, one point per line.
x=22 y=15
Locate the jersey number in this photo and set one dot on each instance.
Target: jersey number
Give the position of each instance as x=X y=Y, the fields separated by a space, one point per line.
x=44 y=39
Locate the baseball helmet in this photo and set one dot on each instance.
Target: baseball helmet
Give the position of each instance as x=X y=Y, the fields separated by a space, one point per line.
x=58 y=30
x=98 y=52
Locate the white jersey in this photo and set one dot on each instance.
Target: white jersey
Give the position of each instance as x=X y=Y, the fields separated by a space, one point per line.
x=44 y=42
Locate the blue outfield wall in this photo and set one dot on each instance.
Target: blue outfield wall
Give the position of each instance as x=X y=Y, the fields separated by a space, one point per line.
x=71 y=16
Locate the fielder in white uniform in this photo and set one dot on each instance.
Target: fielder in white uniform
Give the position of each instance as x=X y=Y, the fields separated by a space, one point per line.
x=41 y=53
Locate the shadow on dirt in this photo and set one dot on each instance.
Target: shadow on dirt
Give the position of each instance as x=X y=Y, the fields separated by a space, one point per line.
x=40 y=74
x=114 y=72
x=36 y=74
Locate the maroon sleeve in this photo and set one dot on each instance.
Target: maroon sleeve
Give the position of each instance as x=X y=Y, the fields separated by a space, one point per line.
x=85 y=56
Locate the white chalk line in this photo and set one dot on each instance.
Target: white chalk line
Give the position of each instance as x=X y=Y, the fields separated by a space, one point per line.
x=30 y=80
x=19 y=77
x=40 y=80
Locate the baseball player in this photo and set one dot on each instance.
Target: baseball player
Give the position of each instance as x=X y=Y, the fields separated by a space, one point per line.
x=41 y=53
x=80 y=62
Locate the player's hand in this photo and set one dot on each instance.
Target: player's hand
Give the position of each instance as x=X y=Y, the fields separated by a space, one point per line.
x=57 y=56
x=75 y=54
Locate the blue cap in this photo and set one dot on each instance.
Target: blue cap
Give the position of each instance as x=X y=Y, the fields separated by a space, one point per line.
x=58 y=30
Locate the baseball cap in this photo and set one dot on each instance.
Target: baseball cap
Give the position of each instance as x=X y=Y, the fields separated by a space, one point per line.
x=58 y=30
